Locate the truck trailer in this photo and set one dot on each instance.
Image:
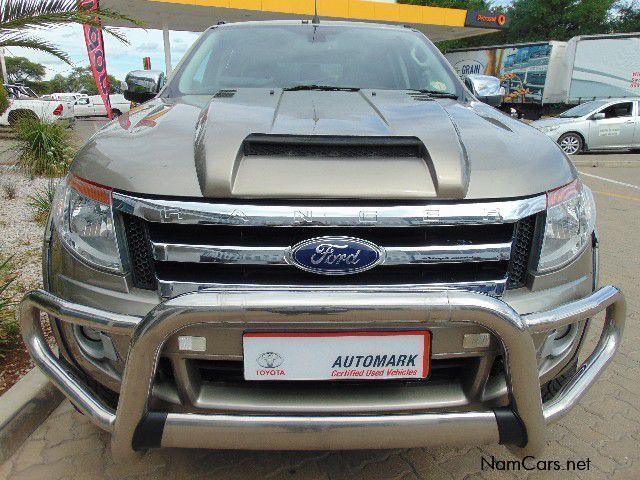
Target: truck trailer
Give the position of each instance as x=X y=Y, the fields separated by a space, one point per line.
x=544 y=77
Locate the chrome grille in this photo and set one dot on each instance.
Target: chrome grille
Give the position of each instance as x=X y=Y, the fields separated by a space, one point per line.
x=187 y=246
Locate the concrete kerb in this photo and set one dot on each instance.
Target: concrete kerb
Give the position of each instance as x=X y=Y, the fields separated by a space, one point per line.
x=23 y=408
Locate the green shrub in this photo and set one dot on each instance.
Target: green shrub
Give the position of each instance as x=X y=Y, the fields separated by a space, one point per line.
x=8 y=324
x=44 y=149
x=42 y=200
x=4 y=100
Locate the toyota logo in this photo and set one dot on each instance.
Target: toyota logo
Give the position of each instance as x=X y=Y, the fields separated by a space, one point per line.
x=270 y=360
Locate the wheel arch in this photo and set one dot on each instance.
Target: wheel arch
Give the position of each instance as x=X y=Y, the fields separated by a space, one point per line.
x=20 y=111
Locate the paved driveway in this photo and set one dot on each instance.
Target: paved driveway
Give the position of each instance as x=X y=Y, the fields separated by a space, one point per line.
x=604 y=428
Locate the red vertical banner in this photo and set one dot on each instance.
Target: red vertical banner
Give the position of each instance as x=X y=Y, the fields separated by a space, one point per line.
x=95 y=49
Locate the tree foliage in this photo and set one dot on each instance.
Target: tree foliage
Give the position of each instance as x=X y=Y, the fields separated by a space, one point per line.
x=540 y=20
x=79 y=80
x=533 y=20
x=21 y=69
x=4 y=100
x=627 y=17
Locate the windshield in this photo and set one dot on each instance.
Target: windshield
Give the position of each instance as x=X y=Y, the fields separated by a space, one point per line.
x=582 y=110
x=295 y=55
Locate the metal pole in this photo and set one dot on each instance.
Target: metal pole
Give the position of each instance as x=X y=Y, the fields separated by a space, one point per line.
x=4 y=66
x=167 y=48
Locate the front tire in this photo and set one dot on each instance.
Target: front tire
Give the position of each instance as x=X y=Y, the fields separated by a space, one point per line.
x=571 y=143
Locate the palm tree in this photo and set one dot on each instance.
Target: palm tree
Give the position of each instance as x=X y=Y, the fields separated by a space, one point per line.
x=19 y=18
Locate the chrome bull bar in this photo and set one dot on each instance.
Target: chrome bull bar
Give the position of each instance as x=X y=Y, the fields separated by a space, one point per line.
x=521 y=426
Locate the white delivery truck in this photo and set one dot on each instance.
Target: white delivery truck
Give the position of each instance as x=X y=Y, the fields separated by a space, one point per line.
x=544 y=77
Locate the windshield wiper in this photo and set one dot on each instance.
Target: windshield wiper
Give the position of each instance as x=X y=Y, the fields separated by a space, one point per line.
x=322 y=88
x=435 y=93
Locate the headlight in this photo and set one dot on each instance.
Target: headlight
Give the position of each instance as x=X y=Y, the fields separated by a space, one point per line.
x=549 y=128
x=571 y=218
x=83 y=218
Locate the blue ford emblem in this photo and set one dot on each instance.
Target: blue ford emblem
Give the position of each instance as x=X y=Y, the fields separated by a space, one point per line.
x=335 y=255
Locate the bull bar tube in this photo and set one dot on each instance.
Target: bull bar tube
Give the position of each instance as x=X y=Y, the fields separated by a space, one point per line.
x=520 y=426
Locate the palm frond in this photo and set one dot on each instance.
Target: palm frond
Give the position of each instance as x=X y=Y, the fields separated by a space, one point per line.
x=56 y=19
x=12 y=10
x=115 y=33
x=16 y=15
x=20 y=39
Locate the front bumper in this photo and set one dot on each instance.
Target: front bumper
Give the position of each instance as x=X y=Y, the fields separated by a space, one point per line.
x=135 y=427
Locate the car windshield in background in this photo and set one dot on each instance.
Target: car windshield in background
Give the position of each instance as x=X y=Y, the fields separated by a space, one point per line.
x=295 y=56
x=582 y=110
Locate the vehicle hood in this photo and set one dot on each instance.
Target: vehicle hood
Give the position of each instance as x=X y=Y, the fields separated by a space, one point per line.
x=549 y=122
x=196 y=147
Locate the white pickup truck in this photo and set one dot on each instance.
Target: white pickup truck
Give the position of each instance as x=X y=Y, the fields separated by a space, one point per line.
x=94 y=106
x=24 y=103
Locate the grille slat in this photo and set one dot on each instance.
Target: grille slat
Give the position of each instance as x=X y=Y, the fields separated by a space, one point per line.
x=266 y=255
x=205 y=273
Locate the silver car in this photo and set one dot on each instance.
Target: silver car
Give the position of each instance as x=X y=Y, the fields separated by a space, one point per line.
x=596 y=125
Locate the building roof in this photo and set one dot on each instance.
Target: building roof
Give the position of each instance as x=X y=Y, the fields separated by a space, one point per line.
x=197 y=15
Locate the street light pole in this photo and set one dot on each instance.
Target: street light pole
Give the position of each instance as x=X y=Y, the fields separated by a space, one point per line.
x=167 y=48
x=4 y=66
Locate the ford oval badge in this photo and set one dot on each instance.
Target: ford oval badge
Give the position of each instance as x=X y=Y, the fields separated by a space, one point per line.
x=335 y=255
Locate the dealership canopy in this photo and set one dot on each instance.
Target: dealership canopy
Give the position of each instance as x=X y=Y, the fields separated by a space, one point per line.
x=196 y=15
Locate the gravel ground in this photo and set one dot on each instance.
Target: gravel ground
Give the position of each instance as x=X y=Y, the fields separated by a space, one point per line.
x=20 y=237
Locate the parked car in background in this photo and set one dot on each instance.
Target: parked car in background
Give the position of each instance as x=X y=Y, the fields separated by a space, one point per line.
x=94 y=106
x=597 y=125
x=23 y=102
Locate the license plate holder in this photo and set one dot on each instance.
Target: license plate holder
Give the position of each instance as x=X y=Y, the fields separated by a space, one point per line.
x=354 y=355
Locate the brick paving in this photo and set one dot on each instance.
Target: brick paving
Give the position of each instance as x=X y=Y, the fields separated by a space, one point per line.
x=604 y=428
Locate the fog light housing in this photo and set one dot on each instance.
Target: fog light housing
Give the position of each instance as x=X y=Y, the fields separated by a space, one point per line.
x=559 y=341
x=94 y=343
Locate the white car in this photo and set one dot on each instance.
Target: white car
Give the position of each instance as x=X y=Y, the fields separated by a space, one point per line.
x=24 y=103
x=609 y=124
x=94 y=106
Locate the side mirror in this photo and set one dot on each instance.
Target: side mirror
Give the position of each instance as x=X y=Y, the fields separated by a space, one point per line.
x=143 y=85
x=598 y=116
x=486 y=88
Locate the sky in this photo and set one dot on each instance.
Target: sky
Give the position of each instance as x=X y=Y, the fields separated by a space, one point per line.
x=121 y=58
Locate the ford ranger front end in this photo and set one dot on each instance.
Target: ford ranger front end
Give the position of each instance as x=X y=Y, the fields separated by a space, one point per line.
x=304 y=248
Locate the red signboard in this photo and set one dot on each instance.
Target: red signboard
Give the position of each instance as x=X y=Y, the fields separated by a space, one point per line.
x=95 y=49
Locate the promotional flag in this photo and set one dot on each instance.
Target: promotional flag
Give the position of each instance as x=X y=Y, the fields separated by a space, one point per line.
x=95 y=49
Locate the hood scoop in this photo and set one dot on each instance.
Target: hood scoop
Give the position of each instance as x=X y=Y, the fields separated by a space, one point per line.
x=225 y=94
x=421 y=97
x=333 y=146
x=258 y=143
